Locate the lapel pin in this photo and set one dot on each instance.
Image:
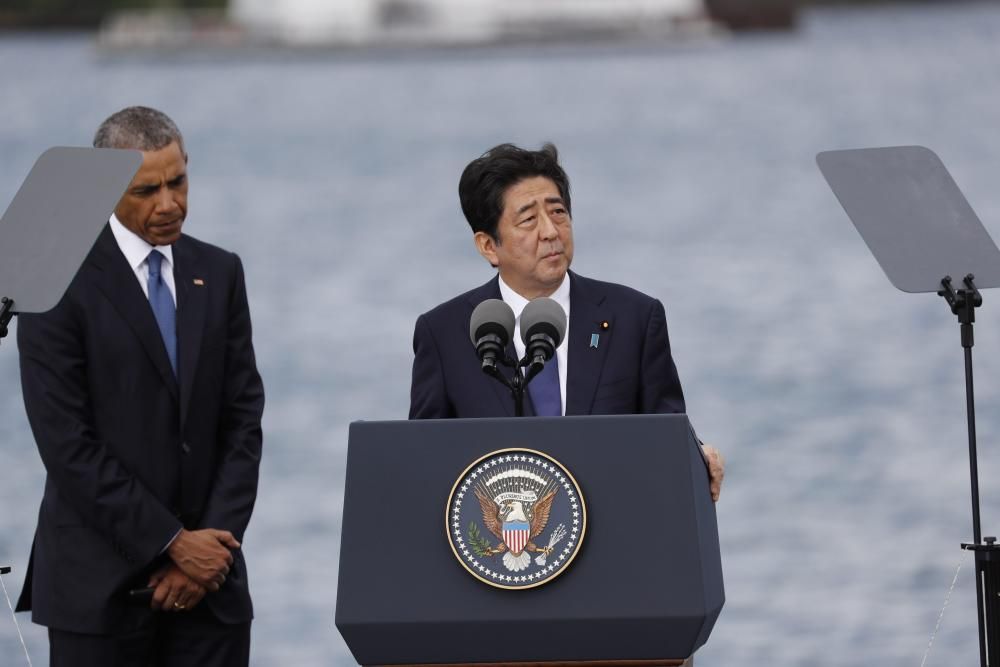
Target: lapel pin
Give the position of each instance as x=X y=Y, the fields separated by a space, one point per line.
x=199 y=282
x=594 y=339
x=605 y=325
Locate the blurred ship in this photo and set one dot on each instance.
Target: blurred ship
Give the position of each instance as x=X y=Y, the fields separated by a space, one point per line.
x=435 y=23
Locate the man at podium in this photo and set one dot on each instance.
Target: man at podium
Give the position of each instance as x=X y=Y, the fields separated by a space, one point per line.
x=615 y=358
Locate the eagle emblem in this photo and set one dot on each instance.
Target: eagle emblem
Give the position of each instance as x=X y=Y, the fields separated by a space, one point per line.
x=516 y=511
x=516 y=496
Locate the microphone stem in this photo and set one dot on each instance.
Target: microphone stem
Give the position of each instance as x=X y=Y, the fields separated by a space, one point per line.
x=517 y=389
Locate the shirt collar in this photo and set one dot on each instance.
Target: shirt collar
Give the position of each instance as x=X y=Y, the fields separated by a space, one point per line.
x=518 y=302
x=134 y=247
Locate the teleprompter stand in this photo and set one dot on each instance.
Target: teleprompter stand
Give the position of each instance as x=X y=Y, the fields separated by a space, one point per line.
x=6 y=313
x=964 y=302
x=52 y=222
x=923 y=232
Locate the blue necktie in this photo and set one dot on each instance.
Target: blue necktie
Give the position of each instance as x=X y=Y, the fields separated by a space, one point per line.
x=162 y=304
x=544 y=390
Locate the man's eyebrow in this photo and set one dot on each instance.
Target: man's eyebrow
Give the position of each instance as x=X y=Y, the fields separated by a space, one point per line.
x=525 y=208
x=554 y=200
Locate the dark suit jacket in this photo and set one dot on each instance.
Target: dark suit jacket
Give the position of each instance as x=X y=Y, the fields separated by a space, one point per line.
x=630 y=371
x=131 y=453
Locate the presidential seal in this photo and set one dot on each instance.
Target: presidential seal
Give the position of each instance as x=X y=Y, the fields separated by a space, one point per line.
x=516 y=518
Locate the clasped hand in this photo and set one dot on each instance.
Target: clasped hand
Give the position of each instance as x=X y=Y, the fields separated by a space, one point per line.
x=174 y=590
x=204 y=555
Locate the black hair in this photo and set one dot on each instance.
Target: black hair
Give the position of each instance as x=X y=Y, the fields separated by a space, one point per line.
x=487 y=178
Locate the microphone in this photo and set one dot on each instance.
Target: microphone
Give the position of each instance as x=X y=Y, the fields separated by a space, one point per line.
x=543 y=326
x=491 y=327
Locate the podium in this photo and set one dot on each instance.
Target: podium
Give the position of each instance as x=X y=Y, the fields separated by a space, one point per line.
x=645 y=587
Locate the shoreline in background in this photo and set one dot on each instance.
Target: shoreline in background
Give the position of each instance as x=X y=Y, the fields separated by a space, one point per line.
x=379 y=24
x=385 y=27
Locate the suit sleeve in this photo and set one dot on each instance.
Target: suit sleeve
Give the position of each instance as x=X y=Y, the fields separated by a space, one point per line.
x=234 y=490
x=104 y=494
x=428 y=394
x=660 y=385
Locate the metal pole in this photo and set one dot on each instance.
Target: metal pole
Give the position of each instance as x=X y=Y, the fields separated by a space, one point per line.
x=970 y=409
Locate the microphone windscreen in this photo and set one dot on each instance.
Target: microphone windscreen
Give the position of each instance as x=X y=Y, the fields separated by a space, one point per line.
x=543 y=315
x=492 y=316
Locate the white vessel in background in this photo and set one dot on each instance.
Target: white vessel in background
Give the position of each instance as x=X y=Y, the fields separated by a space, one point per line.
x=457 y=22
x=355 y=24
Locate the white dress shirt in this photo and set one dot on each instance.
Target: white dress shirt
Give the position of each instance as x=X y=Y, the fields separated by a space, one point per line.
x=517 y=304
x=136 y=250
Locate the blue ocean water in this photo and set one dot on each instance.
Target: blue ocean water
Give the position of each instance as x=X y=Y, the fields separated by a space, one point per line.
x=838 y=401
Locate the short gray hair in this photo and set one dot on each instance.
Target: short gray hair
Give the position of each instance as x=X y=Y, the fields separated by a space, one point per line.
x=138 y=128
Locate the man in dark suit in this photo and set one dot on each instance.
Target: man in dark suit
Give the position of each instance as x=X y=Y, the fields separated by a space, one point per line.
x=615 y=358
x=143 y=395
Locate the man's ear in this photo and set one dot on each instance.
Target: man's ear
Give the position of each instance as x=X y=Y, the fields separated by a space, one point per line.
x=486 y=245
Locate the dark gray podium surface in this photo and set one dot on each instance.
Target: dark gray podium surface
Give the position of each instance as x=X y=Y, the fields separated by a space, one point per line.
x=645 y=586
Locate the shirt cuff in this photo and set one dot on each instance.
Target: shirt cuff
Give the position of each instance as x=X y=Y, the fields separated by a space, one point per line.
x=172 y=539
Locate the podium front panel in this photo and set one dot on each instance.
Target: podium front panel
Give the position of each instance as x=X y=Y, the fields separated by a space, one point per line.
x=645 y=585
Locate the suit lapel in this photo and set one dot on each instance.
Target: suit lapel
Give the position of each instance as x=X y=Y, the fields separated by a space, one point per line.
x=116 y=279
x=491 y=290
x=192 y=301
x=587 y=312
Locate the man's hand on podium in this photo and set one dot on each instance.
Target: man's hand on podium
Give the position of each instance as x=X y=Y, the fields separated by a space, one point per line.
x=716 y=469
